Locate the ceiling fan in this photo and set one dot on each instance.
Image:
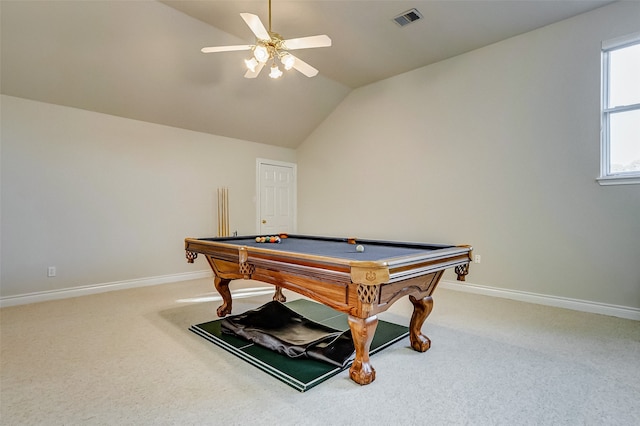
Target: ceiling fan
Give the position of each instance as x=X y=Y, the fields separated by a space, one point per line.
x=270 y=46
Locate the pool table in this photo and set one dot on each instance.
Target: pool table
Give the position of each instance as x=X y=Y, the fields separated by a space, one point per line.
x=334 y=272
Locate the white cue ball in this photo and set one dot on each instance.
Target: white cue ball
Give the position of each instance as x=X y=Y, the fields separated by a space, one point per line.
x=359 y=248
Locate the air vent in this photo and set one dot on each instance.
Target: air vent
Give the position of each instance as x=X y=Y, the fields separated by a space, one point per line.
x=408 y=17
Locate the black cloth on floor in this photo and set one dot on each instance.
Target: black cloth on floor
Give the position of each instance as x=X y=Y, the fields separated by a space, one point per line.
x=276 y=327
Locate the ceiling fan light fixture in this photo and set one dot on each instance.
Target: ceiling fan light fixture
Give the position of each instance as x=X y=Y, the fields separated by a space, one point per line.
x=261 y=53
x=288 y=61
x=275 y=71
x=251 y=64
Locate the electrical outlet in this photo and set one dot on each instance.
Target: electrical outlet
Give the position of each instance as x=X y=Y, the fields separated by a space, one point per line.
x=477 y=258
x=51 y=271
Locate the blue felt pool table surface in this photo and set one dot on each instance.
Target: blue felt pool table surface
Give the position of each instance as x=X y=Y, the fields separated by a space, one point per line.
x=341 y=248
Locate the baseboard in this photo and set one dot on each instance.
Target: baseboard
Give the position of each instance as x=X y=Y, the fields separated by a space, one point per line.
x=43 y=296
x=543 y=299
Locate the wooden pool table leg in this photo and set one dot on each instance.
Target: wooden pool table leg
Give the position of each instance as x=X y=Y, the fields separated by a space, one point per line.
x=222 y=285
x=362 y=331
x=279 y=296
x=421 y=310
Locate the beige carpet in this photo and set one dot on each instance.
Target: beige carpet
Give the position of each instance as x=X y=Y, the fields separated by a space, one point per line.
x=127 y=358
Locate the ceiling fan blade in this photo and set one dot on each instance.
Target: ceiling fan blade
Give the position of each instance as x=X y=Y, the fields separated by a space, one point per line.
x=256 y=26
x=225 y=48
x=308 y=42
x=254 y=74
x=304 y=67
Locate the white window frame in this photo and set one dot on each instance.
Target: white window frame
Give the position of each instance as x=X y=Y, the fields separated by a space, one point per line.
x=606 y=176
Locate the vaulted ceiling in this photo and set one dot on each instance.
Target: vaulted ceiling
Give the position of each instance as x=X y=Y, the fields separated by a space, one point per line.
x=142 y=60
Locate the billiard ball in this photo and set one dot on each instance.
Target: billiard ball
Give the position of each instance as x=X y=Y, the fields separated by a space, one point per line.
x=360 y=248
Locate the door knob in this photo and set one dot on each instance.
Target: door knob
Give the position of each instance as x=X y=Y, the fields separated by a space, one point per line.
x=264 y=221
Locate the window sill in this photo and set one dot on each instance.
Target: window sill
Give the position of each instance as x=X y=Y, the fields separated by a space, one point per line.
x=619 y=180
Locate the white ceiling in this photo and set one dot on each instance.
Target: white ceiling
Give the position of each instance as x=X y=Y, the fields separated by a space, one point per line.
x=142 y=59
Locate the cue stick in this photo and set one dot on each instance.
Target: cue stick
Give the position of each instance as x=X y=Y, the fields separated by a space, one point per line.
x=228 y=227
x=222 y=212
x=225 y=213
x=227 y=206
x=218 y=213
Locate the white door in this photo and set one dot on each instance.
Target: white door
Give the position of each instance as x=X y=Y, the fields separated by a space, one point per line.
x=276 y=204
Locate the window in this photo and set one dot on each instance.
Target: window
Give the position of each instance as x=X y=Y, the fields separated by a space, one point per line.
x=620 y=134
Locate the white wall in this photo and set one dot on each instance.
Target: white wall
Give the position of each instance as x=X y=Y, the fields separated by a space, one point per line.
x=107 y=199
x=498 y=148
